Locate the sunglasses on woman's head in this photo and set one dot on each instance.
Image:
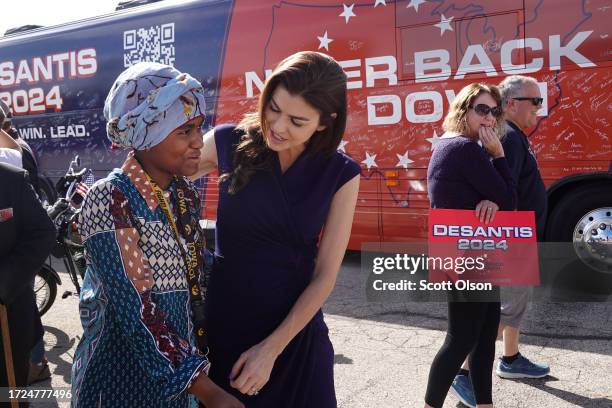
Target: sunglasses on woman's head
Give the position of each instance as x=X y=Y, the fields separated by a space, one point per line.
x=535 y=101
x=483 y=110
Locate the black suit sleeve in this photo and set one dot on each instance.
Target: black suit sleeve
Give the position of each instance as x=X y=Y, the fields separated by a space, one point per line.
x=35 y=238
x=515 y=154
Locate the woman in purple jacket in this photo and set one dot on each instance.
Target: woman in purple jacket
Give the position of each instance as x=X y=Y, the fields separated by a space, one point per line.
x=464 y=175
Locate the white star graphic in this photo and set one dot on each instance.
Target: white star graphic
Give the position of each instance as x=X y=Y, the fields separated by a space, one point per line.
x=415 y=4
x=343 y=143
x=383 y=2
x=404 y=161
x=444 y=24
x=348 y=12
x=324 y=41
x=370 y=160
x=433 y=140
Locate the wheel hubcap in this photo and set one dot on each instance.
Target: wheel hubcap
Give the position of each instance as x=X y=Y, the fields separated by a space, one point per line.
x=593 y=239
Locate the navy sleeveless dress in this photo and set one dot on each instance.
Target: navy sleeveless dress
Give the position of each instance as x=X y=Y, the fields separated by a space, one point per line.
x=266 y=243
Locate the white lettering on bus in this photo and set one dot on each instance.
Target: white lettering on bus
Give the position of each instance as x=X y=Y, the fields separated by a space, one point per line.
x=506 y=56
x=379 y=113
x=434 y=60
x=396 y=109
x=87 y=62
x=351 y=73
x=569 y=51
x=68 y=64
x=483 y=63
x=251 y=78
x=388 y=73
x=435 y=65
x=439 y=60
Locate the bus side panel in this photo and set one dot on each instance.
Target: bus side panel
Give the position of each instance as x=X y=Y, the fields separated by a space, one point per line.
x=286 y=28
x=189 y=37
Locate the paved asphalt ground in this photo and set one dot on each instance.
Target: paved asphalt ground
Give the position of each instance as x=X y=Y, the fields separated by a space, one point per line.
x=383 y=351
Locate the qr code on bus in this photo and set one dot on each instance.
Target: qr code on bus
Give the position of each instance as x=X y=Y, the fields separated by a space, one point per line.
x=153 y=44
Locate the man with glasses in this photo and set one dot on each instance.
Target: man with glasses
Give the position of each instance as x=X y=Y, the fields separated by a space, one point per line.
x=521 y=100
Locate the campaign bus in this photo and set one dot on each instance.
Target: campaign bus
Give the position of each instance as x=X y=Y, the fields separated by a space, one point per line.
x=405 y=61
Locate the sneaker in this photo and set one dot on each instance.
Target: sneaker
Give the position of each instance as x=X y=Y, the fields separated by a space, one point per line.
x=521 y=368
x=38 y=372
x=462 y=388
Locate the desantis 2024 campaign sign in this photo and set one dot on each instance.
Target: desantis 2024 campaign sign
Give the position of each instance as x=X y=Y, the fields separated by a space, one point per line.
x=503 y=252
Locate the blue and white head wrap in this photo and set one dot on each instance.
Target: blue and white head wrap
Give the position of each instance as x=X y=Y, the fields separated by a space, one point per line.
x=148 y=101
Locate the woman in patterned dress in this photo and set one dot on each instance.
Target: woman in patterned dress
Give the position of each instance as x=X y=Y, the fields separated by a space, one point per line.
x=138 y=347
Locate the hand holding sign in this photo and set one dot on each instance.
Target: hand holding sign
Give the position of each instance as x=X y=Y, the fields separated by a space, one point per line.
x=485 y=211
x=506 y=245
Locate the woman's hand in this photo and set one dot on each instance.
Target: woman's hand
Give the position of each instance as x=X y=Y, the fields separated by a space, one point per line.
x=252 y=370
x=490 y=142
x=211 y=395
x=485 y=211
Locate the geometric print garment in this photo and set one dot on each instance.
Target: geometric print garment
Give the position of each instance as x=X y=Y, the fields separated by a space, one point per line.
x=138 y=348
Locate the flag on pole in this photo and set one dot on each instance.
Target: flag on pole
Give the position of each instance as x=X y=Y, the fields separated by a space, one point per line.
x=88 y=180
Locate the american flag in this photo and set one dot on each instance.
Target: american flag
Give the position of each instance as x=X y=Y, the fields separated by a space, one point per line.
x=83 y=187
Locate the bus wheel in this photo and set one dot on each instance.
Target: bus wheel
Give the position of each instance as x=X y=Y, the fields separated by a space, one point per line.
x=584 y=217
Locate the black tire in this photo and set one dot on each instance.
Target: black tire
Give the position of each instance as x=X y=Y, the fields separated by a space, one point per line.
x=45 y=289
x=573 y=206
x=46 y=191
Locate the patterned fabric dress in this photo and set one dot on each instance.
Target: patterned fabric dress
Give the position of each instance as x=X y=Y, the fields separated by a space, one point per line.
x=138 y=348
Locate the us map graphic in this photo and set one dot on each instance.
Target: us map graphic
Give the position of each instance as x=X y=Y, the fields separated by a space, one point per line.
x=376 y=42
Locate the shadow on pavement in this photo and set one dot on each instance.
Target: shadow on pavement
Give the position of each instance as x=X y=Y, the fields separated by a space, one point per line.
x=342 y=359
x=579 y=400
x=57 y=345
x=579 y=326
x=58 y=353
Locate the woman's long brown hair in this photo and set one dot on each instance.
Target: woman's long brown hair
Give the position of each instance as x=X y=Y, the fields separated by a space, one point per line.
x=321 y=82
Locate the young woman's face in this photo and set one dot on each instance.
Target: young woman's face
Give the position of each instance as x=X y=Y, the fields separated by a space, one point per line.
x=179 y=153
x=475 y=119
x=291 y=121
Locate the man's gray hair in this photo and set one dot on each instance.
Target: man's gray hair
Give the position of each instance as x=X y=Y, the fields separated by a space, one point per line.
x=512 y=85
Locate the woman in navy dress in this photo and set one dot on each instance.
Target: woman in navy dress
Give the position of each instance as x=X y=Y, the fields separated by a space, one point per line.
x=282 y=183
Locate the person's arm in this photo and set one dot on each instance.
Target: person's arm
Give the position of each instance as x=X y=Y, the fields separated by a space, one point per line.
x=491 y=179
x=35 y=238
x=208 y=156
x=253 y=368
x=211 y=395
x=515 y=157
x=8 y=142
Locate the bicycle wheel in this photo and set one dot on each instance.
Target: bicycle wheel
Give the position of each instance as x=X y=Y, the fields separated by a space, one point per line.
x=45 y=289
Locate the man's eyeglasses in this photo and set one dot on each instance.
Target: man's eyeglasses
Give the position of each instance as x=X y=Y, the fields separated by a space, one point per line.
x=483 y=110
x=534 y=101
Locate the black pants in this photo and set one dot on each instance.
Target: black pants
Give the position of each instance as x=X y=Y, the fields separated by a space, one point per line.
x=472 y=329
